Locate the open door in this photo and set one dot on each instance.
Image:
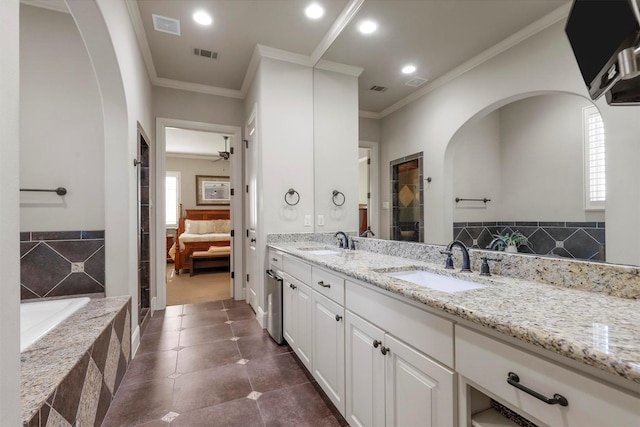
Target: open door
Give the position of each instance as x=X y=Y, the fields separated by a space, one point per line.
x=251 y=211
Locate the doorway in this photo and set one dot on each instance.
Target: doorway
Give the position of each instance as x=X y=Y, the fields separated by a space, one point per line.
x=407 y=187
x=143 y=166
x=218 y=165
x=368 y=188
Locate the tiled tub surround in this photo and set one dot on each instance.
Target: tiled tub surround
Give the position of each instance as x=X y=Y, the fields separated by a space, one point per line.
x=579 y=240
x=61 y=263
x=69 y=377
x=594 y=328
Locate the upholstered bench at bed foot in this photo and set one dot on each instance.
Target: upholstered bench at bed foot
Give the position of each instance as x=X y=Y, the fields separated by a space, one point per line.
x=216 y=256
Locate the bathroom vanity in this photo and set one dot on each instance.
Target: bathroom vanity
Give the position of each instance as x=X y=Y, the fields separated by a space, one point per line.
x=389 y=351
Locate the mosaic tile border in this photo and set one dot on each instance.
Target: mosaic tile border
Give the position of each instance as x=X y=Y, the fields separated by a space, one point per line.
x=61 y=263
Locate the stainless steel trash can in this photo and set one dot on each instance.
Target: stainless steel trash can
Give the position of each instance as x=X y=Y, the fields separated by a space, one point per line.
x=274 y=306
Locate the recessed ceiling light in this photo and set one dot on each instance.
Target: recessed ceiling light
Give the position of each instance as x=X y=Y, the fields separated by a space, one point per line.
x=202 y=18
x=314 y=11
x=408 y=69
x=367 y=27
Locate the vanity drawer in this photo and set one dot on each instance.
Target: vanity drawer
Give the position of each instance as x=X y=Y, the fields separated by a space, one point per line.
x=487 y=362
x=297 y=268
x=275 y=259
x=428 y=333
x=328 y=284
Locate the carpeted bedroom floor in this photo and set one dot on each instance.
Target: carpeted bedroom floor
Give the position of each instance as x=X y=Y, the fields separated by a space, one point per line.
x=207 y=285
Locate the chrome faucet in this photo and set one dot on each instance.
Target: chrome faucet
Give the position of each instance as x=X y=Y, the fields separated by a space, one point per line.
x=344 y=242
x=368 y=231
x=466 y=263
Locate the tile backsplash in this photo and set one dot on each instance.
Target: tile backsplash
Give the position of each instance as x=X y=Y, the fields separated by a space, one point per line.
x=577 y=240
x=61 y=263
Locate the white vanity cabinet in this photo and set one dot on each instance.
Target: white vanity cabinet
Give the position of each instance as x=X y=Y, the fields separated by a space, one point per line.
x=387 y=381
x=328 y=348
x=485 y=363
x=297 y=317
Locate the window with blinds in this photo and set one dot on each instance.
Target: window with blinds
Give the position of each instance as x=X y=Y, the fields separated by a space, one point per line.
x=172 y=198
x=594 y=150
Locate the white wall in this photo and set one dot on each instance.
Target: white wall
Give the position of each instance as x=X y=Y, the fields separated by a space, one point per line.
x=9 y=215
x=368 y=129
x=335 y=150
x=477 y=170
x=198 y=107
x=542 y=159
x=540 y=64
x=286 y=144
x=61 y=126
x=188 y=169
x=125 y=88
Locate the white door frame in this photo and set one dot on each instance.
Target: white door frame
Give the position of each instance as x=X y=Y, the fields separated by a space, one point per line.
x=159 y=300
x=374 y=185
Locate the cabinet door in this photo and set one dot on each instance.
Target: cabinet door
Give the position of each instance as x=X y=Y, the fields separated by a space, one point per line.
x=364 y=372
x=303 y=324
x=419 y=392
x=328 y=348
x=289 y=312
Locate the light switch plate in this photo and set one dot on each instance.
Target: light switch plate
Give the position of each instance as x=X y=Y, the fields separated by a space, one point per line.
x=385 y=205
x=307 y=220
x=320 y=219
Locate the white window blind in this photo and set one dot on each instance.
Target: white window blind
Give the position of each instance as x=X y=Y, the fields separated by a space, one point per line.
x=172 y=198
x=594 y=149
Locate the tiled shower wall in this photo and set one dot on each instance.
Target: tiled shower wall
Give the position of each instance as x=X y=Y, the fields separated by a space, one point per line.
x=60 y=263
x=578 y=240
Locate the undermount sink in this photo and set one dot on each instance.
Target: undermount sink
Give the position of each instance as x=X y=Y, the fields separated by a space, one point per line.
x=319 y=251
x=434 y=281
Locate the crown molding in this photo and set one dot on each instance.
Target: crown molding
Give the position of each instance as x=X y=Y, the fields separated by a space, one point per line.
x=349 y=70
x=143 y=43
x=369 y=115
x=518 y=37
x=347 y=14
x=251 y=71
x=283 y=55
x=197 y=87
x=55 y=5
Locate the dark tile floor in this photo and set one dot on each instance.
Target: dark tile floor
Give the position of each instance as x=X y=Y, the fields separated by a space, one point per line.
x=211 y=364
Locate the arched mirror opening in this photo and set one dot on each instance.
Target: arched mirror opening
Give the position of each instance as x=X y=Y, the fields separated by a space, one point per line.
x=540 y=163
x=407 y=186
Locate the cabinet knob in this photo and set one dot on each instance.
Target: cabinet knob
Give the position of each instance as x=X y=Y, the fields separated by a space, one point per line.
x=292 y=286
x=274 y=259
x=338 y=318
x=321 y=283
x=384 y=350
x=376 y=343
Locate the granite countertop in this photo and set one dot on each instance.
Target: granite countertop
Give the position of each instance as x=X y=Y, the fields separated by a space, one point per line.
x=45 y=364
x=593 y=328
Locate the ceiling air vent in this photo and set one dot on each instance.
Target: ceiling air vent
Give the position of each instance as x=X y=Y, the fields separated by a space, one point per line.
x=166 y=25
x=205 y=53
x=415 y=82
x=377 y=88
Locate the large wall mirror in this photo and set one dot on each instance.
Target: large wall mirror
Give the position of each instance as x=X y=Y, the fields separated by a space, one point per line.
x=517 y=142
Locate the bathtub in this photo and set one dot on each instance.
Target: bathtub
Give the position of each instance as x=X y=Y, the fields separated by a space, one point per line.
x=38 y=318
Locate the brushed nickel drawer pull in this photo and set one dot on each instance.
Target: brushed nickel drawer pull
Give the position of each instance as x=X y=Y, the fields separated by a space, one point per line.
x=514 y=380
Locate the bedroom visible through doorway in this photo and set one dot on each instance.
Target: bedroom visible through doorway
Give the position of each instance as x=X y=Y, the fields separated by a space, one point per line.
x=198 y=216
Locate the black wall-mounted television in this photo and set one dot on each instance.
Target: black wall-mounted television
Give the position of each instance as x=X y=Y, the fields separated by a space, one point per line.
x=598 y=30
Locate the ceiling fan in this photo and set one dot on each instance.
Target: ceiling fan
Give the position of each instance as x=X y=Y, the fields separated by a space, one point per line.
x=224 y=155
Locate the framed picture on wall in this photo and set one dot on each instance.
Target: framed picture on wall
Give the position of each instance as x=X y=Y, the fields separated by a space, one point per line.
x=212 y=190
